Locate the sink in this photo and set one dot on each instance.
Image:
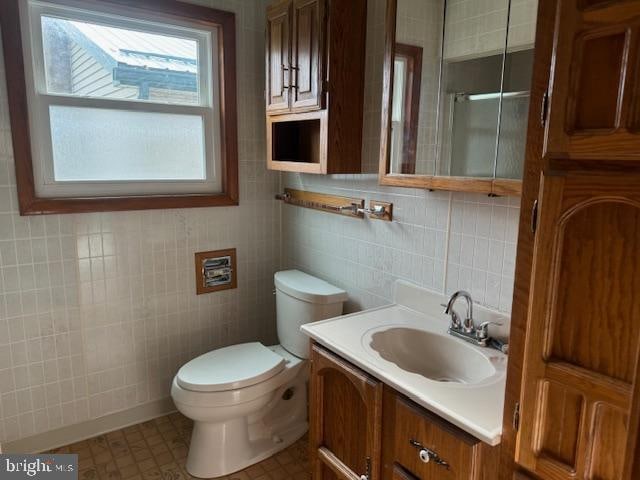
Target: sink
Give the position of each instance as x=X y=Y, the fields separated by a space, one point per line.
x=434 y=356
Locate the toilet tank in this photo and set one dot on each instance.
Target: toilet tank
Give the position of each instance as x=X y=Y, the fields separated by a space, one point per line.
x=300 y=299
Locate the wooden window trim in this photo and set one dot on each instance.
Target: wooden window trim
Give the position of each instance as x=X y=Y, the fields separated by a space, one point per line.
x=31 y=204
x=413 y=83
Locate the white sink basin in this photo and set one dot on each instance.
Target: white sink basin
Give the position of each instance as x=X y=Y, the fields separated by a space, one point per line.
x=432 y=355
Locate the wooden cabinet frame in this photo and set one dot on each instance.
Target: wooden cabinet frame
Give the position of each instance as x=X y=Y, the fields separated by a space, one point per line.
x=31 y=204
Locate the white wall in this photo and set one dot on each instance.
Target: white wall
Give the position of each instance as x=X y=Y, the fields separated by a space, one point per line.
x=97 y=311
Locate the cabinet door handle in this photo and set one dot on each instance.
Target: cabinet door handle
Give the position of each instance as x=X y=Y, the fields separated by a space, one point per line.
x=427 y=455
x=286 y=80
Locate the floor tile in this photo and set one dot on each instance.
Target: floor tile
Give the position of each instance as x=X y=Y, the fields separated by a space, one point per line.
x=157 y=450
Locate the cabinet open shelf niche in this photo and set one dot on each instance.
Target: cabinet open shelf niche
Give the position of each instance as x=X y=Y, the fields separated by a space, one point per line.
x=298 y=143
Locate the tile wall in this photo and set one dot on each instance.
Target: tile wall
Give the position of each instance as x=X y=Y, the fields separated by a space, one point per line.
x=474 y=28
x=97 y=311
x=440 y=240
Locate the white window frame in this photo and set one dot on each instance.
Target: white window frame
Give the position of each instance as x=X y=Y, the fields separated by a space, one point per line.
x=39 y=101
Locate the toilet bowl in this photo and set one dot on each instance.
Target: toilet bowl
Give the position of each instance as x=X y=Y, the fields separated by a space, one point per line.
x=249 y=401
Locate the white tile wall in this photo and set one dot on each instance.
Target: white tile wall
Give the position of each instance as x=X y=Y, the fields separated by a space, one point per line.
x=97 y=311
x=478 y=27
x=440 y=240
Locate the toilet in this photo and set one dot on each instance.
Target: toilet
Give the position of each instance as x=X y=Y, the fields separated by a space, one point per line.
x=249 y=401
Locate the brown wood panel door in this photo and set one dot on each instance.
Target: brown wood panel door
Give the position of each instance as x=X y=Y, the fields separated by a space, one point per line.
x=594 y=107
x=278 y=56
x=345 y=406
x=308 y=26
x=580 y=373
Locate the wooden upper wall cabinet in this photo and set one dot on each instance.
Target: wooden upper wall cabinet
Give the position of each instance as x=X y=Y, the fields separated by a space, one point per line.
x=294 y=42
x=305 y=65
x=278 y=76
x=315 y=58
x=594 y=91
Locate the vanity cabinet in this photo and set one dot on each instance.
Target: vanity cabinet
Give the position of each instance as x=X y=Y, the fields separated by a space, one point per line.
x=361 y=428
x=315 y=61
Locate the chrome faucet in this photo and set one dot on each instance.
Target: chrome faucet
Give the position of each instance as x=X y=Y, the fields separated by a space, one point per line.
x=467 y=324
x=466 y=329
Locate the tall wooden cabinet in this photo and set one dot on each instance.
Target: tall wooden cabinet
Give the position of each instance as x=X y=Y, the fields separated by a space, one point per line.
x=315 y=59
x=575 y=350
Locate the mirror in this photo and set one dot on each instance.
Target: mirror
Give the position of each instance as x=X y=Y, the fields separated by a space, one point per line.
x=456 y=94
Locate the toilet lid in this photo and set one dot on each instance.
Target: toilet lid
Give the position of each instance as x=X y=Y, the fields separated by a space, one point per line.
x=229 y=368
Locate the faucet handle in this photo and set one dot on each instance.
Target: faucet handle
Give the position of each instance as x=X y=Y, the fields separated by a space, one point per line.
x=482 y=332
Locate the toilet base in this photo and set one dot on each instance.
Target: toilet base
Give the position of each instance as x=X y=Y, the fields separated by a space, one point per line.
x=210 y=460
x=224 y=447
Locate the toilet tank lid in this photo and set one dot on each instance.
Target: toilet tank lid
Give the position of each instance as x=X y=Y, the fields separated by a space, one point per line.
x=308 y=288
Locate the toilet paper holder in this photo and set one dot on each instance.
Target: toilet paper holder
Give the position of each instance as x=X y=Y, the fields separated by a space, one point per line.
x=215 y=270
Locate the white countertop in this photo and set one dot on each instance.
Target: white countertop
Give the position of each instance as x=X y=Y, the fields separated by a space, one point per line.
x=475 y=408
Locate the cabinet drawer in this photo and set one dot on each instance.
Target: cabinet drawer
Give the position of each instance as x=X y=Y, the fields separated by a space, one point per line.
x=400 y=473
x=454 y=453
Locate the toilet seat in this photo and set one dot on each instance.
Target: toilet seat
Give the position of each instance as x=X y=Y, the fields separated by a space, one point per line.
x=227 y=398
x=230 y=368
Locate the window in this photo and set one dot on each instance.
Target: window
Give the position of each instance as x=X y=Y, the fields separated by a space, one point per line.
x=127 y=107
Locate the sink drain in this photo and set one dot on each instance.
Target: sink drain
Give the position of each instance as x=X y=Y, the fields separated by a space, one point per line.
x=447 y=380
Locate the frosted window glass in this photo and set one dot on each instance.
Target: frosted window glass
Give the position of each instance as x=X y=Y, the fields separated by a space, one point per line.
x=473 y=150
x=513 y=137
x=114 y=145
x=87 y=59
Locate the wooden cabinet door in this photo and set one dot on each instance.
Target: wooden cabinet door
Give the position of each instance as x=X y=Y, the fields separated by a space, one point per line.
x=580 y=399
x=308 y=24
x=594 y=106
x=278 y=56
x=346 y=406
